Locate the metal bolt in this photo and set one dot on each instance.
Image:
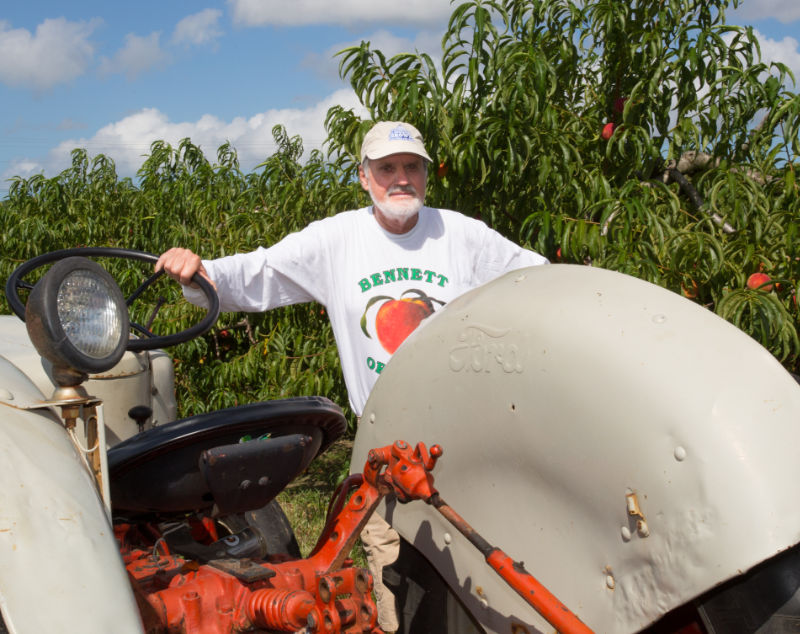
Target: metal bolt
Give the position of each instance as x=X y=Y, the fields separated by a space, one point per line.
x=324 y=591
x=362 y=582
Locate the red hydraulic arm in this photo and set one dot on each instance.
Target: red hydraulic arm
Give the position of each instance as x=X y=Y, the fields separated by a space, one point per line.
x=322 y=593
x=408 y=473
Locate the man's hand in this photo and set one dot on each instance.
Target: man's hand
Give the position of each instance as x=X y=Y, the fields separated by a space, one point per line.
x=181 y=265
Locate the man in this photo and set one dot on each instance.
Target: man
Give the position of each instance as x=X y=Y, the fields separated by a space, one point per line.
x=379 y=271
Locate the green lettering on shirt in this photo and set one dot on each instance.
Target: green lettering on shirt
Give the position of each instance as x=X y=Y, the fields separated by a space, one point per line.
x=399 y=274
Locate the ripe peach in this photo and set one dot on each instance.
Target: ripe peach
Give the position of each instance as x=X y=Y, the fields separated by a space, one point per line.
x=608 y=130
x=759 y=281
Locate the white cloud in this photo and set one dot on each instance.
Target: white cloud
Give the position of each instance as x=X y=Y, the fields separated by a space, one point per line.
x=25 y=168
x=199 y=28
x=138 y=55
x=390 y=44
x=786 y=51
x=783 y=10
x=128 y=140
x=342 y=12
x=57 y=53
x=326 y=64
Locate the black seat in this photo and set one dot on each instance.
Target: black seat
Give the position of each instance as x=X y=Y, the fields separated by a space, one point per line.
x=236 y=459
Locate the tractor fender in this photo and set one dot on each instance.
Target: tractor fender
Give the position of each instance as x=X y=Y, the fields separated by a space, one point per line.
x=60 y=568
x=630 y=447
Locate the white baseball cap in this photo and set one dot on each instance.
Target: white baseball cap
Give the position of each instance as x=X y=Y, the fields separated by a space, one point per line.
x=392 y=137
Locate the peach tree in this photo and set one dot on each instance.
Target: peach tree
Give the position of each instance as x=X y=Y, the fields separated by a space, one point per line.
x=645 y=137
x=183 y=198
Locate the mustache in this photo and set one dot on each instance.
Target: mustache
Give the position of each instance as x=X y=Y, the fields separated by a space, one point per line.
x=403 y=189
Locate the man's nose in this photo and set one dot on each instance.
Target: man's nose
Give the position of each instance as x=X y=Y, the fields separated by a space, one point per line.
x=402 y=177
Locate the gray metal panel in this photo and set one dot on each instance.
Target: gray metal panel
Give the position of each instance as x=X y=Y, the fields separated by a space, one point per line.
x=566 y=397
x=56 y=543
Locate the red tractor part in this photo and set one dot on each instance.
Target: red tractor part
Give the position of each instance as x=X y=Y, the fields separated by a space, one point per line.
x=409 y=474
x=323 y=593
x=515 y=575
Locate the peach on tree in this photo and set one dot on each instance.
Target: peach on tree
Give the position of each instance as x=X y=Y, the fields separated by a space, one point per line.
x=759 y=281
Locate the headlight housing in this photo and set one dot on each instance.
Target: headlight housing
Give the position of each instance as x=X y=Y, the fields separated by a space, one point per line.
x=77 y=317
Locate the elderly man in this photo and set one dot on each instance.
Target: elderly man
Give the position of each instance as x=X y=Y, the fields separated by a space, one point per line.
x=357 y=261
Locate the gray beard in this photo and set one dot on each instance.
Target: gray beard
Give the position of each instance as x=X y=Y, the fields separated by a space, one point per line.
x=399 y=211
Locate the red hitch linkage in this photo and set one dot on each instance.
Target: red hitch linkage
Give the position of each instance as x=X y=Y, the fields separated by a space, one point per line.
x=408 y=473
x=323 y=592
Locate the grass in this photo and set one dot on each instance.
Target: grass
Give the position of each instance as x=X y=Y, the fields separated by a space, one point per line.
x=305 y=501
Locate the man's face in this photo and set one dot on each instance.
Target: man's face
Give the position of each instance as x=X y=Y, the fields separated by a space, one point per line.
x=396 y=184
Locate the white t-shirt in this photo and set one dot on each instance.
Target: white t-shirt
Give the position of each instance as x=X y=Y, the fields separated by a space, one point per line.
x=376 y=286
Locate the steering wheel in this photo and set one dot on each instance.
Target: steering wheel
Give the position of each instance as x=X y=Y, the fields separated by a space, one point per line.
x=151 y=340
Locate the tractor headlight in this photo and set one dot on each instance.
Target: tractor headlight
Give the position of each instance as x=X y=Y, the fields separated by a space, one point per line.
x=77 y=318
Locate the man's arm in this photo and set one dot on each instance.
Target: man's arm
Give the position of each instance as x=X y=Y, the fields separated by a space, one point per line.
x=249 y=282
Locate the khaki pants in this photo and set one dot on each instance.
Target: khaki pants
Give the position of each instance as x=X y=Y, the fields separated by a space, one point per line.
x=382 y=545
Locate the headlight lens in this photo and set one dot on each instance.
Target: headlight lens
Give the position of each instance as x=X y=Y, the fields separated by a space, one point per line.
x=92 y=321
x=77 y=317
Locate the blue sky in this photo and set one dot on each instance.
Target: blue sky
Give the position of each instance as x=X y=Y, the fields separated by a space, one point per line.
x=114 y=76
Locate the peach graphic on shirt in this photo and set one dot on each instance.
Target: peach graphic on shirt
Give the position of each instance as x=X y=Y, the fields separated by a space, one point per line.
x=398 y=318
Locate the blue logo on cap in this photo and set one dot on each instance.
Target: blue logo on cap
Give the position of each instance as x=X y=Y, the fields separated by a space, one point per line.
x=399 y=134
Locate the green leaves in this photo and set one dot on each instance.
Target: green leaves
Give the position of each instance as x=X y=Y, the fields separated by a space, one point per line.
x=183 y=199
x=764 y=317
x=515 y=112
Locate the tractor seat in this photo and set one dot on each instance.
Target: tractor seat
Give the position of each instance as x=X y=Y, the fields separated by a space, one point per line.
x=235 y=459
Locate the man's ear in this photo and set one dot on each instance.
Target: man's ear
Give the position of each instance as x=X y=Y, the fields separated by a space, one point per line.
x=362 y=176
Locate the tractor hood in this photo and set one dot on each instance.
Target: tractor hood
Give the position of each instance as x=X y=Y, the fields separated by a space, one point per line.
x=630 y=447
